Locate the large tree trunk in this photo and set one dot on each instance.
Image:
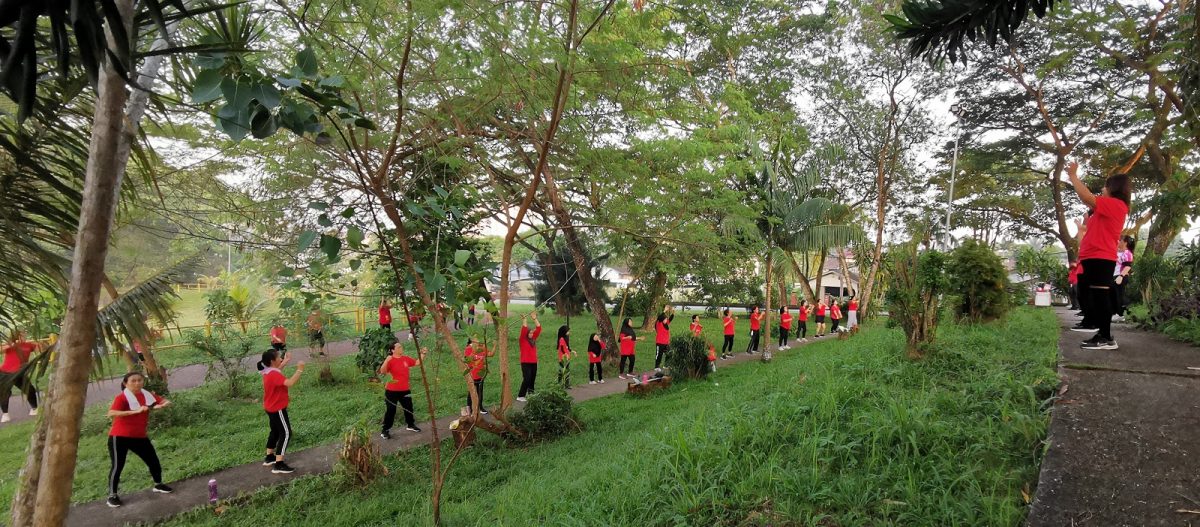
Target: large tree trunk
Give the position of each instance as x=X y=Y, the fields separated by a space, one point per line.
x=766 y=321
x=805 y=286
x=102 y=182
x=820 y=291
x=658 y=290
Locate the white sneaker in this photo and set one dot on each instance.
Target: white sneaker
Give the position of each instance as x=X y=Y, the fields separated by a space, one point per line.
x=5 y=418
x=657 y=369
x=601 y=381
x=522 y=399
x=33 y=411
x=591 y=382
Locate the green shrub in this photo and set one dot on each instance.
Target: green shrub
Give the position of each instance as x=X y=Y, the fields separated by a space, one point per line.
x=688 y=358
x=979 y=282
x=373 y=349
x=916 y=281
x=548 y=414
x=359 y=462
x=223 y=352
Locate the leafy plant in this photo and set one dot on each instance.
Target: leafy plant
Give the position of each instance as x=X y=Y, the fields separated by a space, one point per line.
x=548 y=414
x=224 y=351
x=917 y=281
x=373 y=349
x=359 y=462
x=1043 y=266
x=688 y=357
x=979 y=281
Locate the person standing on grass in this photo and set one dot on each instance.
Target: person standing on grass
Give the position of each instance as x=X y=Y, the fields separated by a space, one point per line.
x=130 y=412
x=595 y=354
x=385 y=314
x=275 y=403
x=1098 y=250
x=1072 y=284
x=802 y=320
x=398 y=392
x=785 y=325
x=695 y=326
x=278 y=337
x=662 y=335
x=755 y=326
x=835 y=314
x=16 y=356
x=821 y=307
x=728 y=322
x=476 y=358
x=316 y=330
x=852 y=314
x=1121 y=278
x=564 y=356
x=627 y=338
x=529 y=358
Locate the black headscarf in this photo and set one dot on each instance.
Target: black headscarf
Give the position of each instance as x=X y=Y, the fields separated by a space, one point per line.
x=627 y=327
x=562 y=335
x=594 y=345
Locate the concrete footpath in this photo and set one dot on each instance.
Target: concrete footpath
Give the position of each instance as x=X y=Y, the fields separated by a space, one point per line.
x=191 y=493
x=1123 y=447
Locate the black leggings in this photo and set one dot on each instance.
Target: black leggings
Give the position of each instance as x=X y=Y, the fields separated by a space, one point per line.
x=621 y=368
x=21 y=382
x=598 y=369
x=119 y=447
x=660 y=353
x=727 y=347
x=1097 y=278
x=753 y=345
x=479 y=390
x=528 y=376
x=393 y=398
x=802 y=329
x=783 y=336
x=1118 y=296
x=833 y=327
x=281 y=432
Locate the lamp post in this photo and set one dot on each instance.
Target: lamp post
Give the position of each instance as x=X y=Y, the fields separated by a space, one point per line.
x=957 y=111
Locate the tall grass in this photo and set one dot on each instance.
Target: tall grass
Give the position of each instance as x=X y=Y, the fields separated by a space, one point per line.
x=836 y=433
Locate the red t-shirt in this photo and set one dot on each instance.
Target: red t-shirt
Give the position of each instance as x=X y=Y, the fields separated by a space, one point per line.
x=785 y=320
x=837 y=312
x=854 y=305
x=385 y=315
x=278 y=335
x=16 y=356
x=275 y=392
x=728 y=321
x=129 y=425
x=662 y=332
x=696 y=328
x=626 y=344
x=1073 y=274
x=398 y=369
x=563 y=350
x=712 y=353
x=1103 y=229
x=755 y=321
x=477 y=361
x=820 y=310
x=803 y=317
x=526 y=342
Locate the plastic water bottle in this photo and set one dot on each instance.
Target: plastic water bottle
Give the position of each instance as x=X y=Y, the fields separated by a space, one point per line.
x=212 y=491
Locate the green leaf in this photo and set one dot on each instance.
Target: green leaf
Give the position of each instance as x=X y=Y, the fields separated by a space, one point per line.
x=306 y=61
x=354 y=236
x=286 y=303
x=355 y=264
x=266 y=95
x=348 y=213
x=336 y=81
x=234 y=121
x=207 y=86
x=324 y=221
x=236 y=91
x=288 y=81
x=354 y=283
x=461 y=256
x=287 y=272
x=318 y=205
x=306 y=239
x=263 y=124
x=363 y=122
x=331 y=246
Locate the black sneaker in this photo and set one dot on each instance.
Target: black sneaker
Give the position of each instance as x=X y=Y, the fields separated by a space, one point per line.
x=483 y=411
x=1082 y=328
x=385 y=434
x=413 y=428
x=114 y=501
x=163 y=489
x=269 y=460
x=281 y=468
x=1099 y=344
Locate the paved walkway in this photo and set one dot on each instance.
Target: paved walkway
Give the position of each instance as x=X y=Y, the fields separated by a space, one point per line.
x=182 y=378
x=191 y=493
x=1123 y=439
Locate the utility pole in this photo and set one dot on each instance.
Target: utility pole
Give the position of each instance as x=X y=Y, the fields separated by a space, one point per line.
x=957 y=111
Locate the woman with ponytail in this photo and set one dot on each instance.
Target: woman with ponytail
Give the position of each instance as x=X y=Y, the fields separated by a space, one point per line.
x=275 y=403
x=130 y=412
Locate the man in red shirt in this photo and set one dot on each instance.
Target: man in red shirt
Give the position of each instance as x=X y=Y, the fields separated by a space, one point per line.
x=477 y=363
x=1098 y=253
x=398 y=392
x=278 y=337
x=16 y=356
x=529 y=359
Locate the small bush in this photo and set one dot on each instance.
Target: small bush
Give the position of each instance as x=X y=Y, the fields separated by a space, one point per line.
x=373 y=349
x=548 y=414
x=979 y=281
x=223 y=352
x=916 y=281
x=688 y=358
x=359 y=462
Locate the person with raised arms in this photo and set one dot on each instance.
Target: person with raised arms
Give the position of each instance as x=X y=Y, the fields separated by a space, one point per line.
x=852 y=313
x=728 y=322
x=695 y=326
x=476 y=356
x=16 y=356
x=802 y=320
x=278 y=335
x=529 y=358
x=785 y=325
x=662 y=335
x=385 y=314
x=130 y=413
x=275 y=403
x=756 y=317
x=821 y=306
x=398 y=392
x=1098 y=251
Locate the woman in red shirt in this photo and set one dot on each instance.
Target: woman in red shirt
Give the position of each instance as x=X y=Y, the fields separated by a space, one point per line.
x=275 y=403
x=564 y=353
x=755 y=326
x=1072 y=283
x=529 y=359
x=130 y=412
x=852 y=313
x=821 y=307
x=835 y=314
x=695 y=326
x=802 y=321
x=627 y=338
x=1098 y=253
x=595 y=354
x=385 y=314
x=728 y=321
x=398 y=392
x=785 y=325
x=662 y=335
x=16 y=356
x=476 y=358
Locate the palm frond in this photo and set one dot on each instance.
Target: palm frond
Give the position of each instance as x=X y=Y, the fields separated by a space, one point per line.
x=937 y=29
x=126 y=318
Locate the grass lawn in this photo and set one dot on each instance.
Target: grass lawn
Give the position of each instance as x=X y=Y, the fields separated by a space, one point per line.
x=836 y=433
